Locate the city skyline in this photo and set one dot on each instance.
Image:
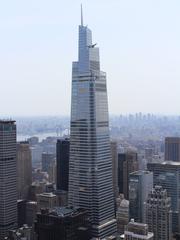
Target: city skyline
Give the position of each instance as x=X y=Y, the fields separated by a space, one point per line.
x=140 y=43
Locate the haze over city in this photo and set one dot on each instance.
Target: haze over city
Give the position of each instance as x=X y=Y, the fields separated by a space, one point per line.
x=139 y=48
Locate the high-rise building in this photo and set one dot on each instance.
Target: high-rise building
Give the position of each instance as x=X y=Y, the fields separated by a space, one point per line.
x=52 y=173
x=47 y=161
x=24 y=169
x=31 y=210
x=122 y=213
x=114 y=153
x=172 y=149
x=62 y=223
x=158 y=214
x=167 y=175
x=127 y=163
x=62 y=164
x=140 y=184
x=90 y=167
x=46 y=200
x=8 y=183
x=137 y=231
x=21 y=212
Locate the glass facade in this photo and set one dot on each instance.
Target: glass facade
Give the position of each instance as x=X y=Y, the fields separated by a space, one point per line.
x=90 y=168
x=8 y=188
x=167 y=175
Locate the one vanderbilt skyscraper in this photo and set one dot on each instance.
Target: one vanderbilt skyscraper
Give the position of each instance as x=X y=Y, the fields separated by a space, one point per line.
x=90 y=167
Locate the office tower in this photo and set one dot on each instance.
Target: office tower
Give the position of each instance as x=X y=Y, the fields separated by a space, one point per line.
x=62 y=164
x=114 y=153
x=127 y=163
x=158 y=213
x=33 y=141
x=46 y=200
x=36 y=152
x=62 y=198
x=167 y=175
x=31 y=210
x=90 y=167
x=21 y=212
x=52 y=173
x=122 y=213
x=8 y=183
x=36 y=188
x=137 y=231
x=140 y=184
x=149 y=153
x=172 y=149
x=24 y=169
x=47 y=161
x=62 y=223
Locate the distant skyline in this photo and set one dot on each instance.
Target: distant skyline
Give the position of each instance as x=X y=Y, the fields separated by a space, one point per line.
x=139 y=47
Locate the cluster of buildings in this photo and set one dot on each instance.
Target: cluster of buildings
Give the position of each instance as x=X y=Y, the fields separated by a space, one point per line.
x=86 y=186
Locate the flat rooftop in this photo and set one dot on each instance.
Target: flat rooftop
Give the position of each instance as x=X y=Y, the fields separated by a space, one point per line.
x=3 y=121
x=171 y=163
x=63 y=211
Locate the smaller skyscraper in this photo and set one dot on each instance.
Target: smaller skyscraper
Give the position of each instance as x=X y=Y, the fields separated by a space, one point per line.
x=114 y=153
x=167 y=175
x=62 y=164
x=62 y=223
x=8 y=177
x=127 y=163
x=46 y=200
x=172 y=149
x=24 y=169
x=122 y=213
x=158 y=214
x=137 y=231
x=31 y=210
x=47 y=161
x=140 y=184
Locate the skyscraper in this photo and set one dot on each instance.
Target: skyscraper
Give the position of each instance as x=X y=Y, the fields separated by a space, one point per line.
x=24 y=169
x=8 y=188
x=172 y=149
x=114 y=153
x=167 y=175
x=62 y=163
x=90 y=168
x=127 y=163
x=47 y=161
x=140 y=184
x=158 y=214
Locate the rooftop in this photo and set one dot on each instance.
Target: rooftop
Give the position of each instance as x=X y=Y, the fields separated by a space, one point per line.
x=63 y=211
x=171 y=163
x=3 y=121
x=45 y=194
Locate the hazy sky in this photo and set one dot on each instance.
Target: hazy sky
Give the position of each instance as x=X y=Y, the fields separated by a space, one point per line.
x=139 y=44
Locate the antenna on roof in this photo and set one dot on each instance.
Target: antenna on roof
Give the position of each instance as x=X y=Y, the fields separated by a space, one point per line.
x=81 y=15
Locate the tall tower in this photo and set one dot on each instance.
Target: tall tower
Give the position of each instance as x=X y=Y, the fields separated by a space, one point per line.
x=158 y=214
x=62 y=161
x=24 y=169
x=127 y=163
x=140 y=184
x=167 y=175
x=90 y=166
x=172 y=149
x=8 y=191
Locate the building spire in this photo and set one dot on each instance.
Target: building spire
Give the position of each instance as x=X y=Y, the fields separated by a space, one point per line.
x=81 y=15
